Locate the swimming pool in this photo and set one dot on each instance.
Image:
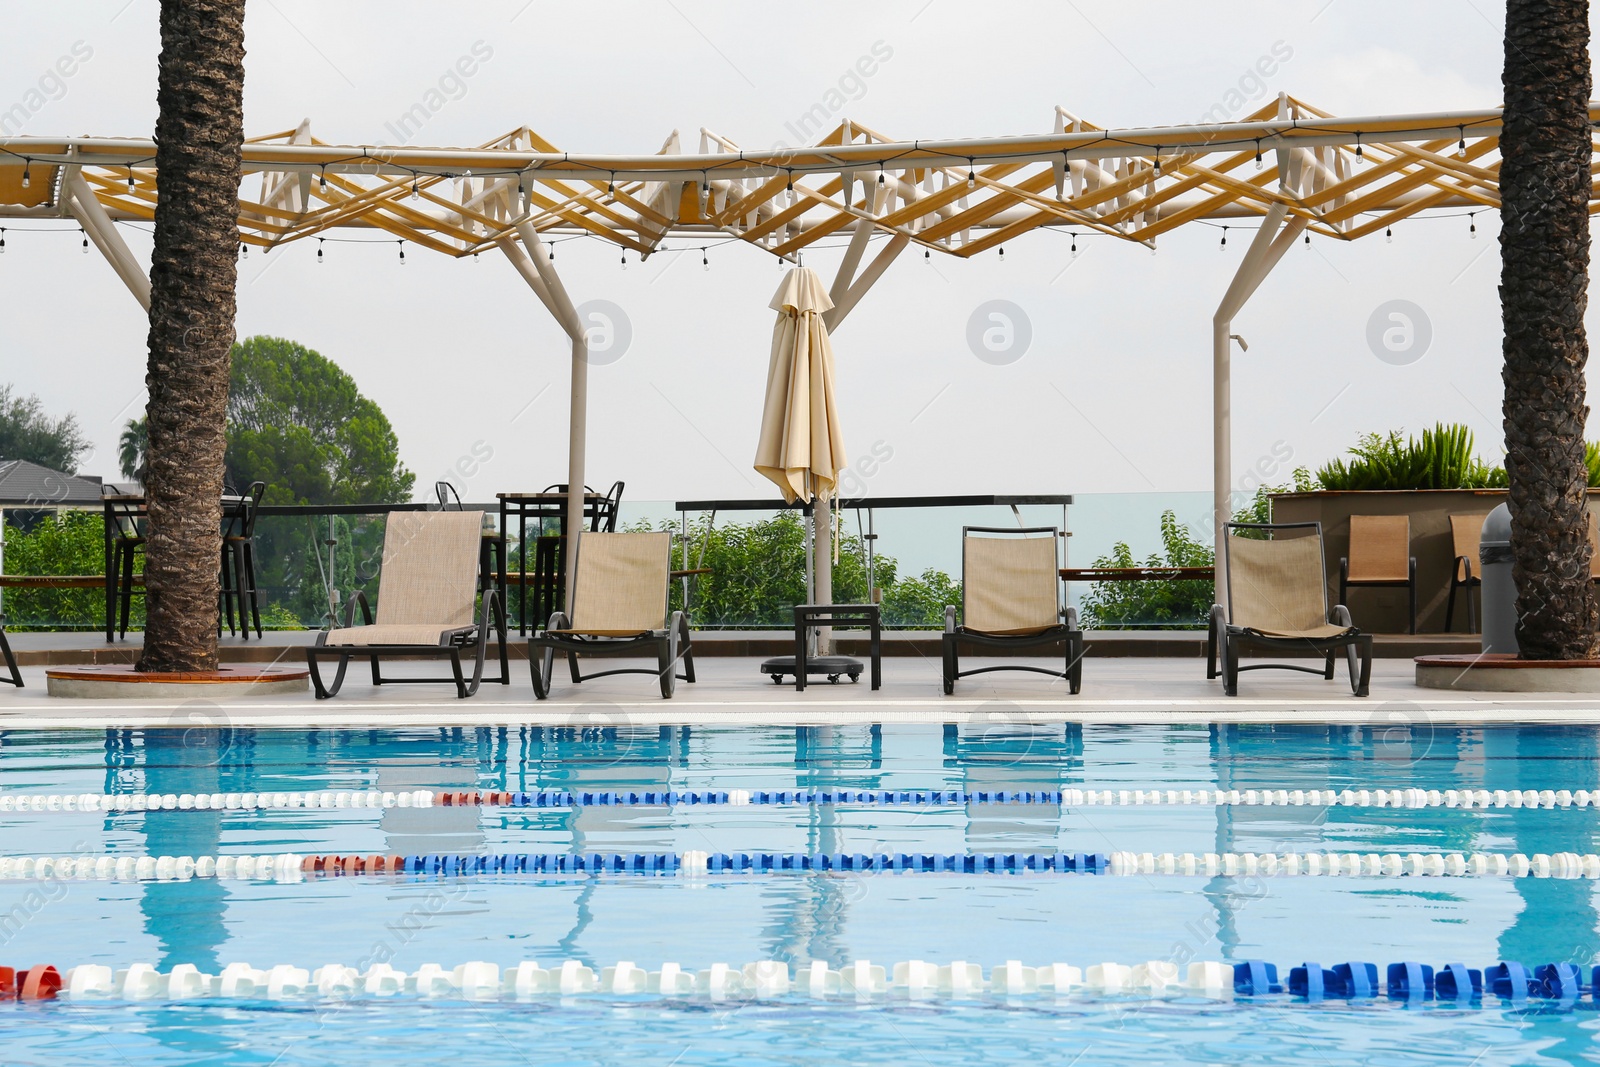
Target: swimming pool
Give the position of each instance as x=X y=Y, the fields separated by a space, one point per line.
x=832 y=917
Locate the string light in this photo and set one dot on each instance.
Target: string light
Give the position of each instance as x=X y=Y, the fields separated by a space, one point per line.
x=552 y=252
x=1308 y=239
x=1258 y=153
x=705 y=262
x=789 y=186
x=244 y=250
x=85 y=240
x=1472 y=226
x=611 y=186
x=319 y=251
x=880 y=173
x=972 y=172
x=413 y=187
x=1074 y=246
x=402 y=253
x=1224 y=245
x=927 y=258
x=2 y=241
x=1002 y=253
x=1461 y=147
x=1388 y=234
x=322 y=180
x=1359 y=157
x=1158 y=162
x=624 y=260
x=27 y=172
x=130 y=179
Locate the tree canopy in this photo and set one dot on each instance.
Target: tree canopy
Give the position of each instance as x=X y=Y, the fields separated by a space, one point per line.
x=297 y=422
x=27 y=432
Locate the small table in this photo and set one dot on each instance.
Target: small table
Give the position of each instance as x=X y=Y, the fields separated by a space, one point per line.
x=538 y=506
x=808 y=617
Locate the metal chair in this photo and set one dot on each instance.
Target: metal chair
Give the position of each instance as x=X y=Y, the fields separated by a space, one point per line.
x=239 y=561
x=619 y=605
x=449 y=500
x=127 y=538
x=1380 y=555
x=11 y=660
x=1011 y=598
x=1466 y=531
x=1278 y=601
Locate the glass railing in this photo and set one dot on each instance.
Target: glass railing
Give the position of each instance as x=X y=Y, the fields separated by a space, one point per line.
x=309 y=560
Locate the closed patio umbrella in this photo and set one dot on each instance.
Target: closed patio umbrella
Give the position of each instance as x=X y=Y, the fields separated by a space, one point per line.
x=801 y=448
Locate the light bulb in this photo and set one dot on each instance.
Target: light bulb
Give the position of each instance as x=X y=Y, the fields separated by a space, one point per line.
x=402 y=253
x=705 y=264
x=322 y=180
x=927 y=258
x=244 y=250
x=1074 y=246
x=1388 y=234
x=1472 y=228
x=1223 y=247
x=552 y=253
x=1258 y=154
x=972 y=175
x=130 y=179
x=85 y=242
x=413 y=188
x=2 y=242
x=1461 y=146
x=319 y=251
x=1002 y=254
x=624 y=261
x=1308 y=240
x=27 y=173
x=611 y=186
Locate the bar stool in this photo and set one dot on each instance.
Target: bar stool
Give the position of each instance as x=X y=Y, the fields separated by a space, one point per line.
x=239 y=561
x=125 y=539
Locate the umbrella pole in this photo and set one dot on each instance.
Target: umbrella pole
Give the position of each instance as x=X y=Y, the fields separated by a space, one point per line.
x=822 y=548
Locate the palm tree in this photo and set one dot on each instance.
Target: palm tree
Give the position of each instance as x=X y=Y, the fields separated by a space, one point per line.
x=199 y=145
x=1544 y=280
x=131 y=449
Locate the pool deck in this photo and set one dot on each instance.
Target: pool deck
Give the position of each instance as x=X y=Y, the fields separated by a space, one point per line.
x=1118 y=690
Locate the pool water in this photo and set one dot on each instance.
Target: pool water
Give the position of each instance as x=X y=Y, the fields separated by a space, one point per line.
x=800 y=917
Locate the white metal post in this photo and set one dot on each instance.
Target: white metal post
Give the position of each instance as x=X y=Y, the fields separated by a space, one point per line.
x=1271 y=241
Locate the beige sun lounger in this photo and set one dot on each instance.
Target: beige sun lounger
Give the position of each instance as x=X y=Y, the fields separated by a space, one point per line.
x=1278 y=601
x=426 y=593
x=619 y=605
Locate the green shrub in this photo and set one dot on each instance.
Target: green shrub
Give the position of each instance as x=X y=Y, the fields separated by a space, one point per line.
x=1442 y=459
x=71 y=542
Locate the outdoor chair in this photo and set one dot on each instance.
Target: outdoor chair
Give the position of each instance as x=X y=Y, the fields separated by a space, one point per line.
x=238 y=584
x=602 y=514
x=449 y=499
x=11 y=660
x=1010 y=599
x=426 y=589
x=126 y=538
x=1278 y=602
x=619 y=605
x=1465 y=533
x=1380 y=555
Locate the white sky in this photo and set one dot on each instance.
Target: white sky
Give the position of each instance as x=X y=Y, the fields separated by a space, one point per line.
x=1113 y=394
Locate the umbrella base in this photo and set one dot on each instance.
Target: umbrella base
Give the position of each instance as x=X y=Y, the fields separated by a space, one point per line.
x=833 y=667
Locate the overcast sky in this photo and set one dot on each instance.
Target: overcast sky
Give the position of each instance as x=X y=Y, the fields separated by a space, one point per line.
x=1112 y=394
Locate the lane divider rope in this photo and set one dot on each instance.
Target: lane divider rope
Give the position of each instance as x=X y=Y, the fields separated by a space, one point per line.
x=1311 y=982
x=297 y=866
x=555 y=798
x=294 y=867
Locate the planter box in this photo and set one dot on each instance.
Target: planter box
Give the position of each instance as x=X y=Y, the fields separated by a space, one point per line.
x=1383 y=610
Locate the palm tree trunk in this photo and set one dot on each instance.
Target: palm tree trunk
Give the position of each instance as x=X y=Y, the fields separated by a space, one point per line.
x=199 y=141
x=1544 y=279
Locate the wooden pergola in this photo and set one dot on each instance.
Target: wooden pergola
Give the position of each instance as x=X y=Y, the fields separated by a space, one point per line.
x=1286 y=170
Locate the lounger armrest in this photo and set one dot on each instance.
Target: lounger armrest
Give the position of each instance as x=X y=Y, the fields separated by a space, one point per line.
x=558 y=621
x=1070 y=617
x=1219 y=616
x=949 y=618
x=1463 y=569
x=1341 y=616
x=487 y=615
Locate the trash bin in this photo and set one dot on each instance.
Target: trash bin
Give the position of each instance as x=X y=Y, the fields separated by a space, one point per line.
x=1499 y=591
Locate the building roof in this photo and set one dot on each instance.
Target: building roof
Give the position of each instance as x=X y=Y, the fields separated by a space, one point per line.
x=24 y=484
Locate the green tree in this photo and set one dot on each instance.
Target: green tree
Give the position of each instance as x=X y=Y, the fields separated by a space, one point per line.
x=297 y=422
x=26 y=432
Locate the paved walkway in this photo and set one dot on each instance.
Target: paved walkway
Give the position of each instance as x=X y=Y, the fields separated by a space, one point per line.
x=1118 y=690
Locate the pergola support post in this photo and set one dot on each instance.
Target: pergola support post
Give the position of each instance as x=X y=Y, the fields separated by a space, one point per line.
x=1272 y=239
x=555 y=298
x=91 y=215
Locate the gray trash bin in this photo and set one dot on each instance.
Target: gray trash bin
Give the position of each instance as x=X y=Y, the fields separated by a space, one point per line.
x=1499 y=591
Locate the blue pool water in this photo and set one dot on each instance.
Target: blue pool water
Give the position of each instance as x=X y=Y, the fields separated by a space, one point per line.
x=736 y=919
